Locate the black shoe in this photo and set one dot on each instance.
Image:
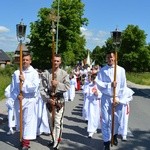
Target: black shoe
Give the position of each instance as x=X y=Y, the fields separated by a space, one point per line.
x=107 y=145
x=50 y=143
x=55 y=148
x=115 y=140
x=24 y=148
x=89 y=137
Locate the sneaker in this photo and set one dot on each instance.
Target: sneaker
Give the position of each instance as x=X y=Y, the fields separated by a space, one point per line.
x=107 y=145
x=55 y=148
x=95 y=131
x=90 y=134
x=124 y=138
x=50 y=143
x=25 y=148
x=115 y=140
x=10 y=132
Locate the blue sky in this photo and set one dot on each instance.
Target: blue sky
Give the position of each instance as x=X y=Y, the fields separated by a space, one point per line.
x=104 y=16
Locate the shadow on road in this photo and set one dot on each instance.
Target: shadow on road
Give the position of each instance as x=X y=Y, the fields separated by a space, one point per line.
x=141 y=92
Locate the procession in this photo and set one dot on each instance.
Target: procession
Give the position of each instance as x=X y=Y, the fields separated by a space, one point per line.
x=43 y=107
x=67 y=87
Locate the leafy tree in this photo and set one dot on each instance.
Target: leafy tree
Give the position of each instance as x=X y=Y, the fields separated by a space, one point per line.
x=132 y=49
x=71 y=43
x=98 y=54
x=133 y=55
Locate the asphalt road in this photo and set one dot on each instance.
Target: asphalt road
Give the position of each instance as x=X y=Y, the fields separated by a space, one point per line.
x=75 y=132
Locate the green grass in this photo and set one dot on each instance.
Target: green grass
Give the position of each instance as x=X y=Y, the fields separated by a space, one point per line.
x=139 y=78
x=4 y=82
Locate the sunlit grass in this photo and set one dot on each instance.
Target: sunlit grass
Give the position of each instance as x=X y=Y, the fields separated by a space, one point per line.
x=139 y=78
x=4 y=82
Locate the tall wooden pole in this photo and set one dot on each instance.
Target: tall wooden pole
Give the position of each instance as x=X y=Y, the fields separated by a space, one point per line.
x=53 y=18
x=20 y=101
x=117 y=42
x=113 y=105
x=53 y=77
x=21 y=30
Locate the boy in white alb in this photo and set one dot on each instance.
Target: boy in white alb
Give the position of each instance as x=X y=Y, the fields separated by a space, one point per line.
x=124 y=117
x=11 y=110
x=93 y=95
x=71 y=91
x=86 y=101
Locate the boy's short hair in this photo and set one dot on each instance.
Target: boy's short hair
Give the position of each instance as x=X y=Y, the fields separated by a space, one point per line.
x=26 y=54
x=57 y=55
x=109 y=52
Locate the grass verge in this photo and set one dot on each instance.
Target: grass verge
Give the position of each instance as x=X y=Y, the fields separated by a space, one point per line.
x=4 y=82
x=139 y=78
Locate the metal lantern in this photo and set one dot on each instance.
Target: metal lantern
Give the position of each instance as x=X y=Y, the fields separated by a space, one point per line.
x=21 y=30
x=116 y=36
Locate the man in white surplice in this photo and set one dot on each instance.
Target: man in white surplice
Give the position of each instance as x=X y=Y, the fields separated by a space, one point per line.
x=30 y=83
x=105 y=82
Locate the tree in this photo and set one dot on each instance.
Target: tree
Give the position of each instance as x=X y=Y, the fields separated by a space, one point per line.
x=71 y=43
x=133 y=48
x=98 y=55
x=134 y=53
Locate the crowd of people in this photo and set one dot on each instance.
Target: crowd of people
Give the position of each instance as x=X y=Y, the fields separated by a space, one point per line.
x=43 y=96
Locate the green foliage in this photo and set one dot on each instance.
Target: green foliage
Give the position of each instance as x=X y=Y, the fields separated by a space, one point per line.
x=5 y=78
x=98 y=55
x=8 y=70
x=139 y=78
x=5 y=81
x=134 y=54
x=70 y=41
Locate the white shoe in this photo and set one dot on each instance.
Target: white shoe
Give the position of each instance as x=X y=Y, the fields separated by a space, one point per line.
x=10 y=132
x=90 y=134
x=124 y=138
x=95 y=131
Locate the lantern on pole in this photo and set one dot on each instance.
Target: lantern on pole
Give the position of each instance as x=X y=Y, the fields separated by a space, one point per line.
x=20 y=31
x=116 y=36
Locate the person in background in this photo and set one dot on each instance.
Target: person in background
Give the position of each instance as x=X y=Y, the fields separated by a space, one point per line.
x=77 y=73
x=124 y=114
x=85 y=100
x=71 y=91
x=42 y=114
x=94 y=108
x=11 y=111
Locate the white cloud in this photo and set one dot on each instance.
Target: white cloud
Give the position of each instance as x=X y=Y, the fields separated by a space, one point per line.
x=8 y=42
x=94 y=38
x=3 y=29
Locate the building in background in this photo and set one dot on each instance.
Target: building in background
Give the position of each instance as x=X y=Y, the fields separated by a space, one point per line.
x=17 y=53
x=4 y=59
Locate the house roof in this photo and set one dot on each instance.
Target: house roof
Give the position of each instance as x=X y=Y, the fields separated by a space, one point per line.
x=3 y=56
x=24 y=48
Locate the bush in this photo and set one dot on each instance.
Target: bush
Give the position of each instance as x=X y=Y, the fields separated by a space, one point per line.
x=8 y=70
x=5 y=78
x=5 y=81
